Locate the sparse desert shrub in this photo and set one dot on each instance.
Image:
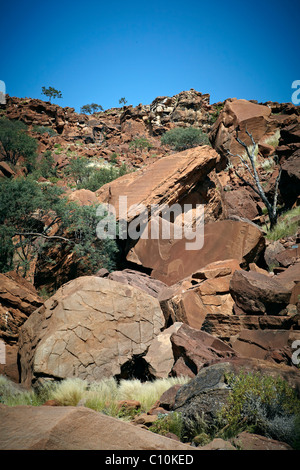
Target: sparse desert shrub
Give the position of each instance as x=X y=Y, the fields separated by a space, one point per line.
x=168 y=423
x=182 y=138
x=264 y=404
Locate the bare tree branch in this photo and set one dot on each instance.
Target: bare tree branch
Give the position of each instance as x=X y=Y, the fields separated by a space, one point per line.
x=272 y=209
x=50 y=237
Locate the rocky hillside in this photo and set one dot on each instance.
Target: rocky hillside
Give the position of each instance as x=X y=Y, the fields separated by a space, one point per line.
x=163 y=308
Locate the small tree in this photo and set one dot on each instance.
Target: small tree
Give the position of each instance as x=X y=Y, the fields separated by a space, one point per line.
x=122 y=101
x=140 y=143
x=51 y=93
x=16 y=143
x=91 y=108
x=248 y=162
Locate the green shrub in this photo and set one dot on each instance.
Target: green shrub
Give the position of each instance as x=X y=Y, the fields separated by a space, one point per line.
x=140 y=143
x=45 y=130
x=168 y=423
x=264 y=404
x=182 y=138
x=17 y=143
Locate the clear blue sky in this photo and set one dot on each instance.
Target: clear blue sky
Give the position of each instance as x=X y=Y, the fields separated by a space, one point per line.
x=100 y=51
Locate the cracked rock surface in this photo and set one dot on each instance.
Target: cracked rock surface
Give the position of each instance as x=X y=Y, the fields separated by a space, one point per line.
x=89 y=329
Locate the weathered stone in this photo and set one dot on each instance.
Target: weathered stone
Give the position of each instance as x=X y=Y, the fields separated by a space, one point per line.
x=91 y=328
x=18 y=299
x=218 y=444
x=240 y=203
x=206 y=394
x=256 y=293
x=173 y=260
x=83 y=197
x=290 y=279
x=138 y=279
x=164 y=182
x=270 y=345
x=254 y=117
x=249 y=441
x=159 y=357
x=196 y=348
x=206 y=291
x=225 y=326
x=75 y=428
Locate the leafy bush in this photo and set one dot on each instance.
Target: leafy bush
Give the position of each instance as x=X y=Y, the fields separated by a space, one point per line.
x=182 y=138
x=267 y=405
x=45 y=130
x=16 y=143
x=88 y=176
x=140 y=143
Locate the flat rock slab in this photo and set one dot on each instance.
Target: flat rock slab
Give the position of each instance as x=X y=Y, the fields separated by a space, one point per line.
x=74 y=428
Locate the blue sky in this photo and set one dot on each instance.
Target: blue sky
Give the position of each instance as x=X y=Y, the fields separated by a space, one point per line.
x=100 y=51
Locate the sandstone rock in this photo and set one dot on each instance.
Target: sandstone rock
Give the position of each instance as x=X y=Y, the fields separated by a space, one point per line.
x=257 y=118
x=196 y=348
x=272 y=250
x=270 y=345
x=218 y=444
x=138 y=279
x=256 y=293
x=163 y=183
x=83 y=197
x=160 y=358
x=18 y=299
x=225 y=326
x=75 y=428
x=91 y=328
x=206 y=291
x=240 y=203
x=249 y=441
x=167 y=400
x=171 y=261
x=290 y=279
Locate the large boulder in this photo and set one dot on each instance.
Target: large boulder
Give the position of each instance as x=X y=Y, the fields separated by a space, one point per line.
x=257 y=293
x=75 y=428
x=91 y=328
x=172 y=260
x=164 y=182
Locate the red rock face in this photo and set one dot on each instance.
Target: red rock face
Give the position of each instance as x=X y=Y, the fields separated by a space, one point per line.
x=256 y=118
x=170 y=261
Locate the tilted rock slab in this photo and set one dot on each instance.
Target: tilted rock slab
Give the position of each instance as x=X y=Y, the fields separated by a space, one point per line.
x=89 y=329
x=171 y=261
x=167 y=181
x=75 y=428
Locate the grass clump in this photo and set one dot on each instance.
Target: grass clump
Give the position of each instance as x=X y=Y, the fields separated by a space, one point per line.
x=287 y=225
